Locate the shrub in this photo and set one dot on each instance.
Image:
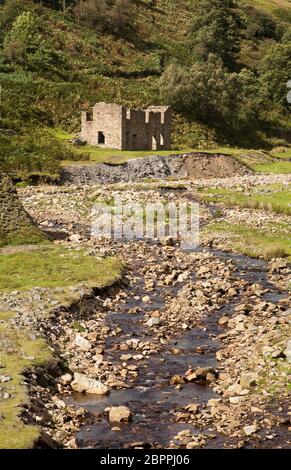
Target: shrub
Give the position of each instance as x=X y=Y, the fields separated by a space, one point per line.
x=114 y=16
x=192 y=135
x=35 y=151
x=275 y=71
x=211 y=95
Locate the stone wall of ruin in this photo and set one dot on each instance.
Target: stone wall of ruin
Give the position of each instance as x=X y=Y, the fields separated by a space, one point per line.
x=107 y=118
x=127 y=129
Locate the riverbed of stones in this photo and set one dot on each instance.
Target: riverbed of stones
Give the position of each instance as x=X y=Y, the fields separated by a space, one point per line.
x=68 y=209
x=234 y=313
x=167 y=293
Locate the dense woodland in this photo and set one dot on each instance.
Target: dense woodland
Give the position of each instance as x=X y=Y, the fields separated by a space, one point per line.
x=223 y=66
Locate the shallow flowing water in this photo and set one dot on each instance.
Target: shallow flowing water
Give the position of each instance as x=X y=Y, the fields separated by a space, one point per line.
x=151 y=399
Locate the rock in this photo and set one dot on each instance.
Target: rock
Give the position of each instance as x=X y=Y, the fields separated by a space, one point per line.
x=153 y=322
x=243 y=308
x=234 y=400
x=177 y=379
x=146 y=299
x=287 y=351
x=277 y=354
x=75 y=238
x=72 y=443
x=5 y=378
x=92 y=336
x=168 y=241
x=66 y=379
x=82 y=383
x=278 y=265
x=213 y=402
x=183 y=277
x=203 y=270
x=82 y=343
x=46 y=441
x=126 y=357
x=249 y=430
x=202 y=374
x=193 y=408
x=234 y=389
x=248 y=380
x=193 y=445
x=138 y=445
x=98 y=359
x=119 y=414
x=223 y=321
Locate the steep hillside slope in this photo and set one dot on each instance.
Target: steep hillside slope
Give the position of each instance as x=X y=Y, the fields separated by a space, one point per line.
x=53 y=65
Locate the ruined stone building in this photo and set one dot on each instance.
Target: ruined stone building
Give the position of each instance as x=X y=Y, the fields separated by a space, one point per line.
x=116 y=127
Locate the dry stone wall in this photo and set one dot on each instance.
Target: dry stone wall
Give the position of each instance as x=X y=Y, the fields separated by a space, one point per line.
x=16 y=226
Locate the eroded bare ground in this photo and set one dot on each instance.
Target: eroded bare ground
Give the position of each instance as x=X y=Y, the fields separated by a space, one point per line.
x=191 y=344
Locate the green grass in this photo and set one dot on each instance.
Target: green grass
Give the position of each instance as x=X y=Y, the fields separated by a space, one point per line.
x=17 y=353
x=281 y=9
x=276 y=168
x=270 y=197
x=55 y=267
x=266 y=244
x=282 y=153
x=61 y=134
x=27 y=235
x=262 y=162
x=91 y=154
x=49 y=267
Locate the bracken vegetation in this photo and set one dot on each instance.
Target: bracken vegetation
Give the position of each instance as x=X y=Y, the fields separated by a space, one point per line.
x=226 y=83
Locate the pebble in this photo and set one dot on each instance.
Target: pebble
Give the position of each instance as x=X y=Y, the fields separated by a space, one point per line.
x=249 y=430
x=118 y=414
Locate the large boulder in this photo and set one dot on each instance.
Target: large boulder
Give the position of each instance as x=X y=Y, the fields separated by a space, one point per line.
x=84 y=384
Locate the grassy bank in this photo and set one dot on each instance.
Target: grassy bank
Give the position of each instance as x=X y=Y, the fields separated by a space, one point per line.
x=52 y=267
x=18 y=352
x=259 y=161
x=273 y=198
x=48 y=267
x=257 y=243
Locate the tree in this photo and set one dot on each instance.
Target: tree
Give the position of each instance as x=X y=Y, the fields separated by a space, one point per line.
x=216 y=28
x=210 y=94
x=275 y=71
x=23 y=39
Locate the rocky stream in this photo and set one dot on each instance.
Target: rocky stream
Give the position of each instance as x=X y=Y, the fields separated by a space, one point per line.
x=188 y=350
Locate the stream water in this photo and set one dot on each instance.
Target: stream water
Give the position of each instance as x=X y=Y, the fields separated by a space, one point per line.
x=150 y=397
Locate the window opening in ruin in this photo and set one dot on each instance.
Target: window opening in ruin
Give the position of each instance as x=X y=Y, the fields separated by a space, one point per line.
x=101 y=138
x=162 y=140
x=154 y=143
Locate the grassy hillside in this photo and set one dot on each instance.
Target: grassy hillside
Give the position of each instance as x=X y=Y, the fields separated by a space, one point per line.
x=54 y=65
x=281 y=9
